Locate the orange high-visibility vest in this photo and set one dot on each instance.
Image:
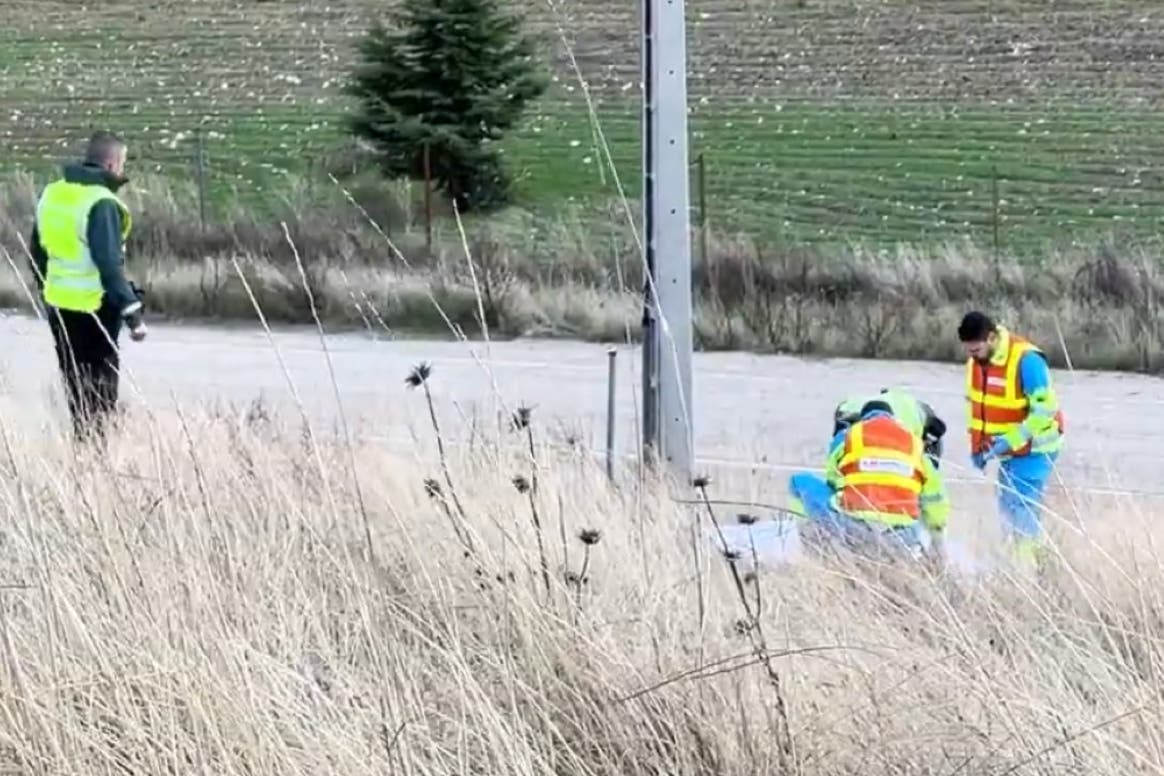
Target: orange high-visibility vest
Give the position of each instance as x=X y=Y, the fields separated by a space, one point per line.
x=881 y=472
x=997 y=403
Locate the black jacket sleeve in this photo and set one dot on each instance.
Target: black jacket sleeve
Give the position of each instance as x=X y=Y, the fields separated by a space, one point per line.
x=39 y=260
x=934 y=425
x=105 y=248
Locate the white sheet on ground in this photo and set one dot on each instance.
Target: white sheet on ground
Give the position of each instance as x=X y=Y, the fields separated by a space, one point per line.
x=775 y=540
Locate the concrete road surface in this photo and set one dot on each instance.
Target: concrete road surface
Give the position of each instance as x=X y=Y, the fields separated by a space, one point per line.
x=769 y=412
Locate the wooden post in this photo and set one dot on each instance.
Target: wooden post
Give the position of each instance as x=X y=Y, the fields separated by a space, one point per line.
x=427 y=198
x=200 y=173
x=702 y=184
x=995 y=216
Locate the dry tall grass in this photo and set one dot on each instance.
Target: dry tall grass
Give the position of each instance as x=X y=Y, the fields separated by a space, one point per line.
x=218 y=596
x=536 y=275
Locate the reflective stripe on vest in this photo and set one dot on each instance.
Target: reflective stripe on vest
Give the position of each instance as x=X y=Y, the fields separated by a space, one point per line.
x=72 y=281
x=881 y=473
x=997 y=405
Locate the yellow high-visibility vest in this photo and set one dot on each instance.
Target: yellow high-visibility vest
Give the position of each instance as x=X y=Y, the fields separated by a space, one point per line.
x=72 y=281
x=997 y=407
x=906 y=409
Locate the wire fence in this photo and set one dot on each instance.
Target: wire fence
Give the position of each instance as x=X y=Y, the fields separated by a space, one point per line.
x=1012 y=124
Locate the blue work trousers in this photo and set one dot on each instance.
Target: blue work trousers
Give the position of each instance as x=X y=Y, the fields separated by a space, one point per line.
x=1022 y=483
x=815 y=495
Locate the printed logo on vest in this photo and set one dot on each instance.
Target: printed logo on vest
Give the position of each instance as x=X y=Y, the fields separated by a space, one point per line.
x=885 y=466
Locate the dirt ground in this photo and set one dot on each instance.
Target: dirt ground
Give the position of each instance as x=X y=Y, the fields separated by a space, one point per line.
x=757 y=418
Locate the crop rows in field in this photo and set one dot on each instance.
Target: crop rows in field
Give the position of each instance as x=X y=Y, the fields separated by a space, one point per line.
x=833 y=118
x=816 y=174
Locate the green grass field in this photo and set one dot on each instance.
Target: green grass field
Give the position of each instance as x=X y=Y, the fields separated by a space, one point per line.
x=826 y=124
x=811 y=172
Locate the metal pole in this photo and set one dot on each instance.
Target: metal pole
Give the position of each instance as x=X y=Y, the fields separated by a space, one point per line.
x=610 y=373
x=650 y=398
x=667 y=331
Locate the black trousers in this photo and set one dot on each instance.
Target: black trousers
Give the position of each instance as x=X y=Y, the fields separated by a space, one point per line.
x=87 y=353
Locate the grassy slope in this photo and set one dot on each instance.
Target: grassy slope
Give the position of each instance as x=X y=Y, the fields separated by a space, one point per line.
x=218 y=611
x=882 y=122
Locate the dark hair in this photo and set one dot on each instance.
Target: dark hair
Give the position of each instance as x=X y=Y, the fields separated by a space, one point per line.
x=975 y=327
x=876 y=405
x=102 y=145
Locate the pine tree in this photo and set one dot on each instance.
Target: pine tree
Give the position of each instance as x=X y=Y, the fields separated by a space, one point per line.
x=456 y=74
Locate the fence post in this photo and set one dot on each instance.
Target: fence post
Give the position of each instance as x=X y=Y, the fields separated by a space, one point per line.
x=994 y=218
x=200 y=174
x=611 y=354
x=427 y=198
x=701 y=182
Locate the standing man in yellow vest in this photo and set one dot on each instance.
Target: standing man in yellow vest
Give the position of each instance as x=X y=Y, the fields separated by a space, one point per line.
x=77 y=250
x=1014 y=417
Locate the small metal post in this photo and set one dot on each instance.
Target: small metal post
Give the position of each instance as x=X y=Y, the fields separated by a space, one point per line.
x=611 y=354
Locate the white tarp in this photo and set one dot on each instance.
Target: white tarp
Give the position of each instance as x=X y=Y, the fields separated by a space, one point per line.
x=775 y=540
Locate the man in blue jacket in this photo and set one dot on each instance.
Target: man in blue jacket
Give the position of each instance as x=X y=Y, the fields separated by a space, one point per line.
x=77 y=247
x=1014 y=418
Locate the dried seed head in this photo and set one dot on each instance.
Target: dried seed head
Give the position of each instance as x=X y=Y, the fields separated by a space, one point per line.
x=257 y=413
x=701 y=481
x=418 y=375
x=731 y=556
x=589 y=536
x=432 y=488
x=746 y=519
x=521 y=483
x=521 y=418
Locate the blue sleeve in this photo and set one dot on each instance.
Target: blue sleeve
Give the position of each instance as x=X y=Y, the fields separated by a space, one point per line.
x=836 y=446
x=105 y=247
x=1034 y=374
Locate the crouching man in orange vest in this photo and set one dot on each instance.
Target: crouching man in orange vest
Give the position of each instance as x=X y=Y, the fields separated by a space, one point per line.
x=878 y=485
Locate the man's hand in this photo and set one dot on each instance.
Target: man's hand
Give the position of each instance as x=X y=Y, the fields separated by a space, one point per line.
x=980 y=460
x=137 y=327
